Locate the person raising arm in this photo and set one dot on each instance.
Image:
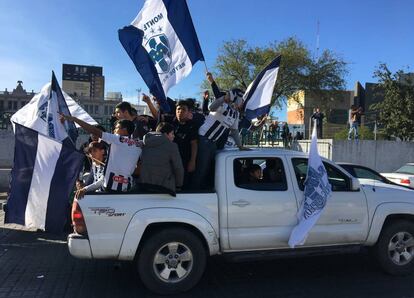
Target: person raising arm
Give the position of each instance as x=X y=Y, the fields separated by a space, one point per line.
x=123 y=156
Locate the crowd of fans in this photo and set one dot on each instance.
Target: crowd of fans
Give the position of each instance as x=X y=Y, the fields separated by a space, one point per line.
x=165 y=152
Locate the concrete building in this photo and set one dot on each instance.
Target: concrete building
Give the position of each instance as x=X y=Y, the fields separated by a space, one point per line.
x=86 y=85
x=334 y=104
x=372 y=94
x=142 y=109
x=83 y=82
x=12 y=101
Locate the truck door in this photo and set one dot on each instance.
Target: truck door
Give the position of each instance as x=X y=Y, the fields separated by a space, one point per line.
x=261 y=203
x=345 y=217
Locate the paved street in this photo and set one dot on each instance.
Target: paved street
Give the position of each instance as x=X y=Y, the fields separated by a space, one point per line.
x=34 y=264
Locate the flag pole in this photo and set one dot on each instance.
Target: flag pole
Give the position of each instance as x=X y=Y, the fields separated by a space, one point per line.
x=95 y=160
x=205 y=66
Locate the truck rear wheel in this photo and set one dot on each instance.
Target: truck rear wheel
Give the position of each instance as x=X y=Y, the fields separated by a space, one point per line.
x=171 y=261
x=395 y=248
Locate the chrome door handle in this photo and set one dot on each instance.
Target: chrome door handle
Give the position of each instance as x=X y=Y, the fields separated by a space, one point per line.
x=240 y=203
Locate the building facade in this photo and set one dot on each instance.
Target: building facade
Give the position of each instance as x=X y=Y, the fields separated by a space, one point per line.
x=83 y=81
x=86 y=85
x=334 y=104
x=12 y=101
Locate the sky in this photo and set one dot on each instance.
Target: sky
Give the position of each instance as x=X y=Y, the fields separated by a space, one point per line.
x=37 y=37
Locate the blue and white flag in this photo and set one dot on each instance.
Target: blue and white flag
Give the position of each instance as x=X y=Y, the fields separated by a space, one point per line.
x=43 y=176
x=317 y=191
x=258 y=95
x=163 y=45
x=56 y=105
x=40 y=112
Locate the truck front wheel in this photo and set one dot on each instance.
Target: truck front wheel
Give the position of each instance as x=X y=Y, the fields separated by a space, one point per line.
x=395 y=248
x=171 y=261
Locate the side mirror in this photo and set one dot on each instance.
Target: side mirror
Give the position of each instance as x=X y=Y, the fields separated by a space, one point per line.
x=355 y=184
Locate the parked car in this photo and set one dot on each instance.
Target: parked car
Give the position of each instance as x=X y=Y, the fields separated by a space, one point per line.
x=362 y=172
x=403 y=176
x=170 y=238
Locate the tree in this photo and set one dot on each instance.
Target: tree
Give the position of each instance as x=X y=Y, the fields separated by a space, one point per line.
x=237 y=65
x=396 y=111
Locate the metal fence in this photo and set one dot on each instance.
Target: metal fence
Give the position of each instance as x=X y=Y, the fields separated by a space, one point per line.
x=5 y=121
x=265 y=138
x=258 y=138
x=324 y=147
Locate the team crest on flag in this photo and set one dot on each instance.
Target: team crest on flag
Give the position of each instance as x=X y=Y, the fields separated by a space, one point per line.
x=159 y=50
x=42 y=112
x=317 y=191
x=163 y=45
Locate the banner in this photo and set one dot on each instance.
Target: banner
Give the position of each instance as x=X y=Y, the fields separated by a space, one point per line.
x=258 y=96
x=43 y=175
x=317 y=191
x=163 y=45
x=35 y=113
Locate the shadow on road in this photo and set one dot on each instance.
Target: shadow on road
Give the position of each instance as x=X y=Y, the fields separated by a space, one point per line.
x=39 y=263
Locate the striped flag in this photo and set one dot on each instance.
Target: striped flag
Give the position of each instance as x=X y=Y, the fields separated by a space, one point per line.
x=43 y=175
x=40 y=111
x=163 y=44
x=258 y=95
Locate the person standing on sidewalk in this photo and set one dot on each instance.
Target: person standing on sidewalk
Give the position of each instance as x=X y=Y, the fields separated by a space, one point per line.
x=285 y=135
x=354 y=116
x=318 y=116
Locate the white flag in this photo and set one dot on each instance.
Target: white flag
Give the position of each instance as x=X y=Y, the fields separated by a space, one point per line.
x=163 y=44
x=317 y=191
x=34 y=114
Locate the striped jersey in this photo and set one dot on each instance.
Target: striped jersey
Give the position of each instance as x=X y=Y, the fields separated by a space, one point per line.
x=123 y=156
x=219 y=122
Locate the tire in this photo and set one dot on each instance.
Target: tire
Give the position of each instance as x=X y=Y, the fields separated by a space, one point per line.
x=171 y=261
x=395 y=248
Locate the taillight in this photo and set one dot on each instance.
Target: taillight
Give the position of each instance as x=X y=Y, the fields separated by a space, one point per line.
x=405 y=181
x=78 y=221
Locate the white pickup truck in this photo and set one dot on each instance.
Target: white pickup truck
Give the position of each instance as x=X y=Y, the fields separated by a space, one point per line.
x=170 y=237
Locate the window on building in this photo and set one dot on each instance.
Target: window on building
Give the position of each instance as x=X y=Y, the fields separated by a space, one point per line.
x=106 y=110
x=1 y=105
x=15 y=105
x=96 y=109
x=263 y=174
x=9 y=105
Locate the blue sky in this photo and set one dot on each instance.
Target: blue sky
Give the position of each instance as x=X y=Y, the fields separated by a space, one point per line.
x=38 y=36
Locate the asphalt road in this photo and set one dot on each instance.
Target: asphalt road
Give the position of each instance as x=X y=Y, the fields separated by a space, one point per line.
x=36 y=264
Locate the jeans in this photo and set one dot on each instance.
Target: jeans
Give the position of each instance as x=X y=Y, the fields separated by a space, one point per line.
x=205 y=163
x=353 y=129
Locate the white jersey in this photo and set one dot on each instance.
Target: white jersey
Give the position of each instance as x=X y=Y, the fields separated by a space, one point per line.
x=219 y=121
x=123 y=156
x=98 y=178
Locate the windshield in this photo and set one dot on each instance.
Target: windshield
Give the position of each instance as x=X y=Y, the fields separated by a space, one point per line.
x=407 y=169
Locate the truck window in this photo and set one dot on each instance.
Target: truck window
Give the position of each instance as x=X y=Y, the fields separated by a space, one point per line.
x=259 y=174
x=338 y=180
